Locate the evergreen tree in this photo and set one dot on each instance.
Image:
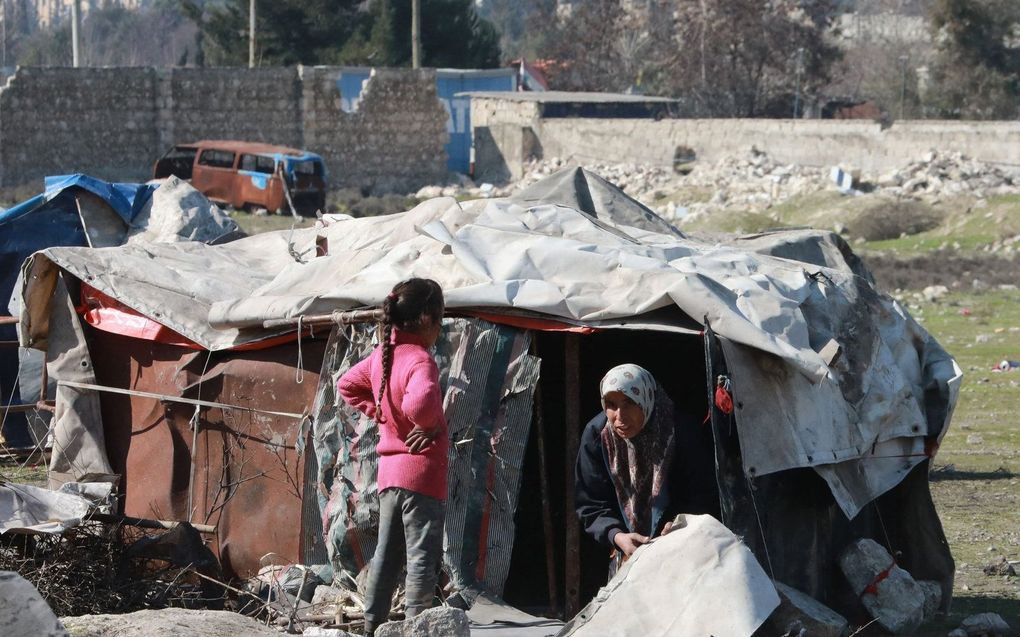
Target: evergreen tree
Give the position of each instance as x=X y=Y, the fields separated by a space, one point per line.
x=976 y=74
x=345 y=32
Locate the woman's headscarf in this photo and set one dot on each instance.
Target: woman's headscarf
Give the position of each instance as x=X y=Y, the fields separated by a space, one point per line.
x=639 y=467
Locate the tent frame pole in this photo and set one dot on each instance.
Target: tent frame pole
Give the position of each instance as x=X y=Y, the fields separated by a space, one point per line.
x=572 y=399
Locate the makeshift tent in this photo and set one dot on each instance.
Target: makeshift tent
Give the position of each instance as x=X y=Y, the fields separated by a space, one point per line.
x=78 y=210
x=840 y=397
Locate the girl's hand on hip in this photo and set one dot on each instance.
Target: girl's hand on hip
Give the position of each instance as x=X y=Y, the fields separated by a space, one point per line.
x=418 y=440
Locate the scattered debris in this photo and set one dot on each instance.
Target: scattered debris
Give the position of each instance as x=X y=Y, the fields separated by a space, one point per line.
x=1001 y=566
x=755 y=181
x=1006 y=365
x=887 y=591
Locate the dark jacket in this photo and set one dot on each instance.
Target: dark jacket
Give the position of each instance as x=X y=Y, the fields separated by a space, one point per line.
x=691 y=487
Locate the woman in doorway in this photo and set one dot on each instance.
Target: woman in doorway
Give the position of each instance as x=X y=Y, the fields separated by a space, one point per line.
x=641 y=462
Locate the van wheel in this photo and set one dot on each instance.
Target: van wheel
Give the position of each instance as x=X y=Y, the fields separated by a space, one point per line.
x=252 y=209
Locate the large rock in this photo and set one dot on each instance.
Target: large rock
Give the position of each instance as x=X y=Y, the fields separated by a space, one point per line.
x=799 y=612
x=887 y=591
x=985 y=625
x=168 y=622
x=23 y=612
x=434 y=622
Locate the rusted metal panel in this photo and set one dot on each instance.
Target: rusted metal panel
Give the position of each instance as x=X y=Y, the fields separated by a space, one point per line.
x=248 y=479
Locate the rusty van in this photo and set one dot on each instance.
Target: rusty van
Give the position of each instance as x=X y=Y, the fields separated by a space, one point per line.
x=249 y=175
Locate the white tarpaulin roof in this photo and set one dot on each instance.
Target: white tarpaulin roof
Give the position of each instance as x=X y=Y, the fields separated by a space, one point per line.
x=577 y=249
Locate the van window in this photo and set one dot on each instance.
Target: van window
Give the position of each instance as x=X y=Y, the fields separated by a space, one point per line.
x=306 y=167
x=216 y=158
x=258 y=164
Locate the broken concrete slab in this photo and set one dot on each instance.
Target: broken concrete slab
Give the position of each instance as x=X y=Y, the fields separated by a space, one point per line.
x=23 y=611
x=887 y=591
x=434 y=622
x=985 y=625
x=799 y=613
x=168 y=622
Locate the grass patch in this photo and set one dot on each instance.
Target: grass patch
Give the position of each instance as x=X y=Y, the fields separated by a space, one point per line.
x=976 y=476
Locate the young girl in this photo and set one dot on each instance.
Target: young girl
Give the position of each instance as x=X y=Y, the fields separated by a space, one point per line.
x=398 y=387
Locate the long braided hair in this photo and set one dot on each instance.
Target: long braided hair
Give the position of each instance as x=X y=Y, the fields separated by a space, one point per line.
x=406 y=308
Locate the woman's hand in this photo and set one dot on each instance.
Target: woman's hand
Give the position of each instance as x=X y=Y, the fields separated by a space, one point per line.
x=629 y=542
x=419 y=439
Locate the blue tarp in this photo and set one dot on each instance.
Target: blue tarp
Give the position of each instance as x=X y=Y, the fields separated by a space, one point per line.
x=46 y=220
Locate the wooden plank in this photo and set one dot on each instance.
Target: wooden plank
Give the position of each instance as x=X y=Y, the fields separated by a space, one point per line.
x=547 y=524
x=572 y=400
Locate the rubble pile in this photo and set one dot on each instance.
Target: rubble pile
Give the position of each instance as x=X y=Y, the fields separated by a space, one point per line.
x=755 y=182
x=939 y=175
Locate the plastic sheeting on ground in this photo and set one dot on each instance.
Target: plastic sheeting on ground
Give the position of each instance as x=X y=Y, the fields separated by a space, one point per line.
x=29 y=509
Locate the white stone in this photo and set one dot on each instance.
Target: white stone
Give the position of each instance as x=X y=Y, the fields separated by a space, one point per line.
x=985 y=625
x=434 y=622
x=168 y=622
x=897 y=601
x=23 y=610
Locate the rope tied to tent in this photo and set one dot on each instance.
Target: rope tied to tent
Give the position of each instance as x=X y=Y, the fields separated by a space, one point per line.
x=299 y=374
x=761 y=527
x=872 y=588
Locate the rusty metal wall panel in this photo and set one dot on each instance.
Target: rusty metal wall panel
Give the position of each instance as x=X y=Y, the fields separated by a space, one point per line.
x=248 y=477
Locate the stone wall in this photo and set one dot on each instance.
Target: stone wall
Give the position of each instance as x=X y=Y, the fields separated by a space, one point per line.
x=392 y=142
x=62 y=120
x=860 y=144
x=114 y=123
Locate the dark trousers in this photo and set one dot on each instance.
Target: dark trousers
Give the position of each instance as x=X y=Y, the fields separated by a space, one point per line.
x=411 y=525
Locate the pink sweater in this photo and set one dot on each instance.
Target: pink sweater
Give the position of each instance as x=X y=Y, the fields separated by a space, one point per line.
x=412 y=398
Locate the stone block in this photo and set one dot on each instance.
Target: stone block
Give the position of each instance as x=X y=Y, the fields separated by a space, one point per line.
x=985 y=625
x=887 y=591
x=799 y=612
x=434 y=622
x=23 y=611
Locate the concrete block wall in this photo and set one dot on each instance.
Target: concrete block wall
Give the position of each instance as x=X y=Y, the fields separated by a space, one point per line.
x=62 y=120
x=861 y=144
x=114 y=123
x=392 y=142
x=856 y=143
x=257 y=105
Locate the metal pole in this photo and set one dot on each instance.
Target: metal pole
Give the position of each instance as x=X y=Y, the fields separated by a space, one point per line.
x=416 y=34
x=75 y=33
x=251 y=34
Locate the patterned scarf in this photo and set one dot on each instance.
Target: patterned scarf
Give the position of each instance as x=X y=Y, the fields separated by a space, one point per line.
x=639 y=467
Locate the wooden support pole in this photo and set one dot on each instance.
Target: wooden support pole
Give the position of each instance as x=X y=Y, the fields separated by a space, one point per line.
x=572 y=405
x=349 y=316
x=145 y=523
x=547 y=525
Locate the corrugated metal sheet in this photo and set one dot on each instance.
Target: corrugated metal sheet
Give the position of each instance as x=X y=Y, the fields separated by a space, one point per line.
x=248 y=478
